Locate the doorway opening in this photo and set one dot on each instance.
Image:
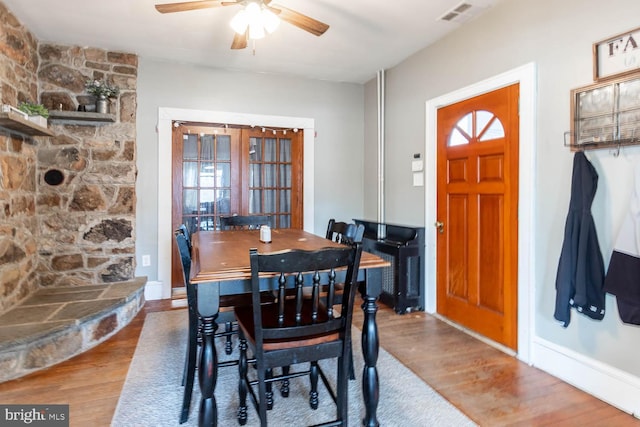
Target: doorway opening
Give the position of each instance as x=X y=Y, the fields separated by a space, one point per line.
x=526 y=77
x=167 y=117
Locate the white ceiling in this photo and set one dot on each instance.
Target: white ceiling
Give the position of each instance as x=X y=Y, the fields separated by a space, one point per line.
x=364 y=35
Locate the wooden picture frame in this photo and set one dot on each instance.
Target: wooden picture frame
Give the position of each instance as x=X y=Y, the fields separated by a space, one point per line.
x=606 y=113
x=616 y=56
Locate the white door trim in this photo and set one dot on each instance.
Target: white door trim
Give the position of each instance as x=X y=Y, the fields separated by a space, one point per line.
x=166 y=116
x=526 y=77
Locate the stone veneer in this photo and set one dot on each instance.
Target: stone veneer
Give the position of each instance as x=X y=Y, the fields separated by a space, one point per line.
x=18 y=163
x=86 y=223
x=81 y=231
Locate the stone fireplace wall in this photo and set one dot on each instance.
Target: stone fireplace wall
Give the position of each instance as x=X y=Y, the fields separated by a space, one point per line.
x=87 y=221
x=82 y=230
x=18 y=220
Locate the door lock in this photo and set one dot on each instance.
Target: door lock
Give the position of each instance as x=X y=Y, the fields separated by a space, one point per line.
x=440 y=226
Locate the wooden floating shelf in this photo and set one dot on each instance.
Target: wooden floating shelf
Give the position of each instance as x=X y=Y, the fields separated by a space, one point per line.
x=16 y=122
x=80 y=117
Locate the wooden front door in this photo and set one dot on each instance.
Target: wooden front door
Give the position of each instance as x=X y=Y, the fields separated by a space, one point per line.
x=477 y=211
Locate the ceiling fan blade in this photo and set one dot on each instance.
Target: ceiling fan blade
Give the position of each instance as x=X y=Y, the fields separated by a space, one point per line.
x=239 y=41
x=188 y=5
x=304 y=22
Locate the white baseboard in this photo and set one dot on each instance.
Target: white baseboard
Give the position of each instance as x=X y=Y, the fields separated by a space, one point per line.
x=614 y=386
x=153 y=290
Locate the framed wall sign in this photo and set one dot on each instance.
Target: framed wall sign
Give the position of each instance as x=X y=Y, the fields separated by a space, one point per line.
x=617 y=55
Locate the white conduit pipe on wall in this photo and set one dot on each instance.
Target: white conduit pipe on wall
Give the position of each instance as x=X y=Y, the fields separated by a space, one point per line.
x=381 y=149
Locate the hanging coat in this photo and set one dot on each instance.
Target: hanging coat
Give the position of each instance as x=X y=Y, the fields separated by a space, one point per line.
x=580 y=277
x=623 y=275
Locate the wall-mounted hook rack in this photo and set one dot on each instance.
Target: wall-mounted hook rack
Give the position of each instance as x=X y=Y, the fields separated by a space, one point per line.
x=605 y=115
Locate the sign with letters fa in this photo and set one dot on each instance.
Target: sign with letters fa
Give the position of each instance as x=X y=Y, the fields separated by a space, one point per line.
x=617 y=55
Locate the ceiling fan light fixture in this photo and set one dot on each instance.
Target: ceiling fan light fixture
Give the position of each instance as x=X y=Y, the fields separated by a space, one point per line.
x=257 y=19
x=270 y=20
x=240 y=22
x=256 y=31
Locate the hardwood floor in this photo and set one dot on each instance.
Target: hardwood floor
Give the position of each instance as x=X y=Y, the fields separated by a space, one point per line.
x=490 y=387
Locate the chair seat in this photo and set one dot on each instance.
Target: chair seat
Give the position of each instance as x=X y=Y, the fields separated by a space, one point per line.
x=244 y=316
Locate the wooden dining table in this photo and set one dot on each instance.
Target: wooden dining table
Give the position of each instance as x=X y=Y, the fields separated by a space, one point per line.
x=220 y=266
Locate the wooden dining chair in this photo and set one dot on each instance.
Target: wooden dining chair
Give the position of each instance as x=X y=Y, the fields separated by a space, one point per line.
x=226 y=316
x=236 y=222
x=347 y=234
x=342 y=232
x=296 y=329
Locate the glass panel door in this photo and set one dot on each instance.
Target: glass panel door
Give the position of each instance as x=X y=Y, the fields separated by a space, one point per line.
x=207 y=176
x=270 y=168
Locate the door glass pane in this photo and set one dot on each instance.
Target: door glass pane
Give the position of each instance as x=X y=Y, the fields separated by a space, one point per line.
x=270 y=201
x=207 y=223
x=494 y=131
x=285 y=200
x=207 y=174
x=207 y=198
x=224 y=202
x=284 y=221
x=255 y=175
x=482 y=118
x=223 y=175
x=206 y=147
x=255 y=201
x=285 y=175
x=457 y=138
x=190 y=147
x=255 y=149
x=270 y=175
x=285 y=150
x=223 y=147
x=189 y=174
x=269 y=150
x=190 y=202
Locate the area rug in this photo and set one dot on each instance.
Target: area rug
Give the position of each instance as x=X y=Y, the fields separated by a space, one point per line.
x=152 y=394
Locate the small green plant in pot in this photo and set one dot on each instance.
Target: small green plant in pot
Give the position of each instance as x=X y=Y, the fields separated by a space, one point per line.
x=34 y=109
x=37 y=113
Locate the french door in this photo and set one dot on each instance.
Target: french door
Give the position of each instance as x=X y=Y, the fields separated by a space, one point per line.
x=219 y=171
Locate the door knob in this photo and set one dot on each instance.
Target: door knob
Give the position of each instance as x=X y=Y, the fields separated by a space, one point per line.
x=440 y=226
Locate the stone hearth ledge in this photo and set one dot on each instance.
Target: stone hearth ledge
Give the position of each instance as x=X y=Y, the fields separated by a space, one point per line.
x=55 y=324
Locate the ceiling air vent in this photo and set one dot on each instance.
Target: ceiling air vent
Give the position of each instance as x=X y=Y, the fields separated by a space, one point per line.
x=461 y=13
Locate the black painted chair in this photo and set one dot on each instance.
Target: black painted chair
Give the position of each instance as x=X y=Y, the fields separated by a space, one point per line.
x=341 y=232
x=227 y=302
x=347 y=234
x=297 y=329
x=238 y=222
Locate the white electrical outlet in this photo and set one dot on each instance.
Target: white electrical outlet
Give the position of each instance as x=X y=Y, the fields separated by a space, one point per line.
x=146 y=260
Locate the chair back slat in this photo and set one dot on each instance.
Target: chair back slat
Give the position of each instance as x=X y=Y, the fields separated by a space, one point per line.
x=238 y=222
x=297 y=314
x=184 y=247
x=341 y=232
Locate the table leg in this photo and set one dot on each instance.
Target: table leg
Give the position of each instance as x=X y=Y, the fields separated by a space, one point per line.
x=208 y=374
x=370 y=345
x=208 y=308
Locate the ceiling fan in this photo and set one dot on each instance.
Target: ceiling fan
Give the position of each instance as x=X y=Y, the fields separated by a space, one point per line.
x=297 y=19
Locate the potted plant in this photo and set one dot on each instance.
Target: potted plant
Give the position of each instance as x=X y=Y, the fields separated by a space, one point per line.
x=101 y=90
x=37 y=113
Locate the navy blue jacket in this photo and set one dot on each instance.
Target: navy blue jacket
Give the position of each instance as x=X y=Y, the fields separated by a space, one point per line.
x=580 y=278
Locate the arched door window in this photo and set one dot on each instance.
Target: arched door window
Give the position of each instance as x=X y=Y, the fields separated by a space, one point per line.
x=479 y=125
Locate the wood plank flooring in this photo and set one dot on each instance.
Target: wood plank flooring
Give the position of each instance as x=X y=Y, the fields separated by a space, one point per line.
x=490 y=387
